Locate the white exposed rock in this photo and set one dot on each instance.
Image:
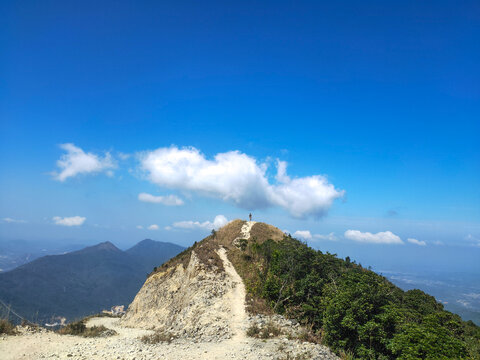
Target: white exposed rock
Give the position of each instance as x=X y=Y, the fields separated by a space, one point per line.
x=187 y=302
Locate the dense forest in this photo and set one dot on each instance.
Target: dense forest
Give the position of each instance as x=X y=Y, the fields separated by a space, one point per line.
x=353 y=310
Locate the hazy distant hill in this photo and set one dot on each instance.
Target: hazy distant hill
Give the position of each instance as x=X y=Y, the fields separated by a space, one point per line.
x=14 y=253
x=153 y=253
x=82 y=282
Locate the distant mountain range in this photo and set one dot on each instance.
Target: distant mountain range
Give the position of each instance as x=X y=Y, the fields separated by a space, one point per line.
x=14 y=253
x=81 y=282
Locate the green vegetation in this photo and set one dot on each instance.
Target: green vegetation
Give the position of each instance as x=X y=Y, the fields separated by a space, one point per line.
x=351 y=309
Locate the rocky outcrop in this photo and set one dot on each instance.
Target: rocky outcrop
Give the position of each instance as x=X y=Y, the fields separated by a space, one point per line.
x=187 y=302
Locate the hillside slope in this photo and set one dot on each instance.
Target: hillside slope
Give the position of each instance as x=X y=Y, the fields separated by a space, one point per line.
x=353 y=310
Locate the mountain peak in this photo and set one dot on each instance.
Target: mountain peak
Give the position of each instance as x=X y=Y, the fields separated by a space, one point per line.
x=103 y=246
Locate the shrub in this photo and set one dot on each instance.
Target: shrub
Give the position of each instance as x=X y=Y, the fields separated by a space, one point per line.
x=159 y=337
x=6 y=327
x=79 y=328
x=75 y=328
x=355 y=311
x=269 y=331
x=253 y=331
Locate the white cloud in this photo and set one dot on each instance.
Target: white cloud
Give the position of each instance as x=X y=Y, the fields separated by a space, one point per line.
x=217 y=223
x=417 y=242
x=11 y=220
x=69 y=221
x=330 y=237
x=385 y=237
x=304 y=234
x=140 y=227
x=169 y=200
x=307 y=235
x=238 y=178
x=76 y=162
x=474 y=239
x=153 y=227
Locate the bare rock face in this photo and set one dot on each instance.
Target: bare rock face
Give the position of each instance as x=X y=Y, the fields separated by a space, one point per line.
x=187 y=302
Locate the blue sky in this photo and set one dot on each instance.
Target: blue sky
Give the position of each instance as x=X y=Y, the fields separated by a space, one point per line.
x=380 y=99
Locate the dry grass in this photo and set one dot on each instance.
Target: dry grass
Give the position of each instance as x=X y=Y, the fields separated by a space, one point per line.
x=262 y=232
x=206 y=252
x=79 y=328
x=270 y=330
x=228 y=233
x=158 y=337
x=6 y=327
x=183 y=258
x=310 y=336
x=257 y=305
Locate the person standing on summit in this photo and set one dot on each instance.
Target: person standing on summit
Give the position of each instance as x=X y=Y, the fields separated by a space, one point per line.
x=250 y=216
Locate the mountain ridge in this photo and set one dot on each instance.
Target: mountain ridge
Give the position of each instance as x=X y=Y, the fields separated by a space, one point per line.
x=351 y=309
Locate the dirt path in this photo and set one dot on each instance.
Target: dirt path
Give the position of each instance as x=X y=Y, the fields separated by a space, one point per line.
x=245 y=230
x=236 y=297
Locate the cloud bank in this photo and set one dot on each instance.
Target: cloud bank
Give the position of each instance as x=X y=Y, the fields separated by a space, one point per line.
x=76 y=162
x=385 y=237
x=169 y=200
x=69 y=221
x=217 y=223
x=416 y=242
x=238 y=178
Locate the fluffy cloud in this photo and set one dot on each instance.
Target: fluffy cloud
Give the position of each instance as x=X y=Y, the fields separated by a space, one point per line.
x=385 y=237
x=217 y=223
x=330 y=237
x=11 y=220
x=169 y=200
x=238 y=178
x=153 y=227
x=76 y=162
x=416 y=242
x=304 y=234
x=69 y=221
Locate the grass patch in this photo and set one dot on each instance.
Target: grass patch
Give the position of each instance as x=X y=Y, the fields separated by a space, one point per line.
x=6 y=327
x=159 y=337
x=270 y=330
x=311 y=336
x=253 y=331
